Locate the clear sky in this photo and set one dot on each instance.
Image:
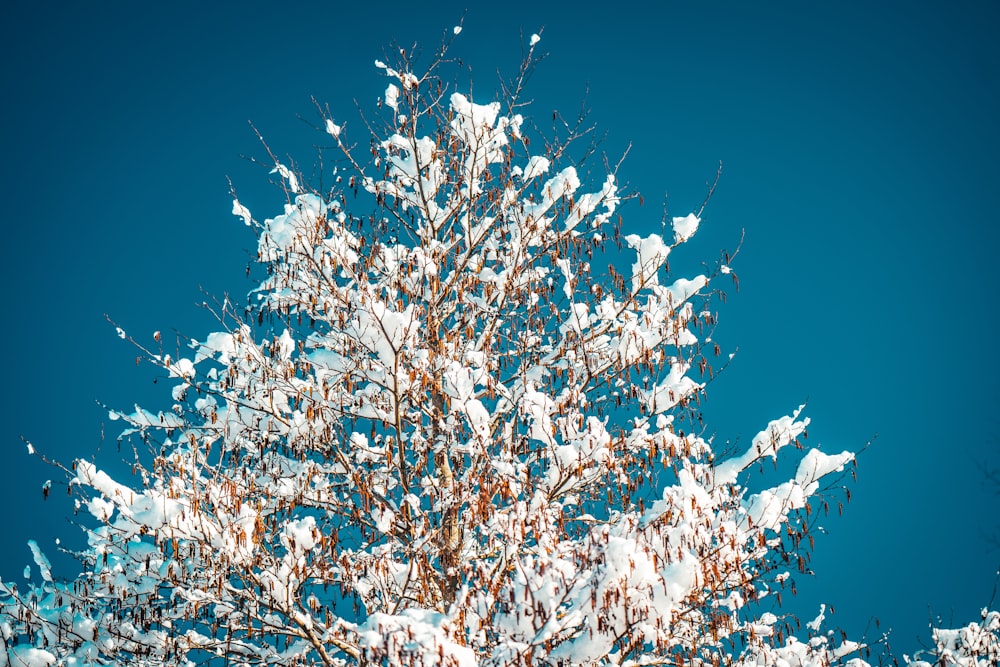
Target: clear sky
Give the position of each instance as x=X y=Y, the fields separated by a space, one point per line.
x=859 y=142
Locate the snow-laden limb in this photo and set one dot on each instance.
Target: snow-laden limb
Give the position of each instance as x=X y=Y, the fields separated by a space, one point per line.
x=685 y=227
x=778 y=434
x=44 y=566
x=243 y=212
x=975 y=645
x=442 y=434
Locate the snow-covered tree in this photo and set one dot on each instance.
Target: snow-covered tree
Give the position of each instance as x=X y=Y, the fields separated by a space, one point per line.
x=457 y=426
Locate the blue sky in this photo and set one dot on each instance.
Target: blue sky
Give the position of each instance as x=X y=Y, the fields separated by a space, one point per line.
x=859 y=143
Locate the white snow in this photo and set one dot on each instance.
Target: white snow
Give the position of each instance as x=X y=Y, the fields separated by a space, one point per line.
x=685 y=228
x=288 y=175
x=537 y=165
x=815 y=464
x=300 y=536
x=817 y=622
x=674 y=388
x=242 y=211
x=27 y=656
x=651 y=253
x=479 y=417
x=392 y=96
x=384 y=519
x=44 y=567
x=222 y=344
